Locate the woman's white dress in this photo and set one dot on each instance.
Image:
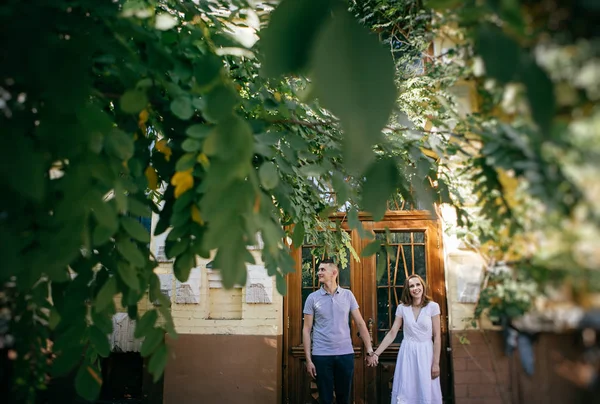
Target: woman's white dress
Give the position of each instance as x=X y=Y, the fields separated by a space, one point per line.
x=412 y=377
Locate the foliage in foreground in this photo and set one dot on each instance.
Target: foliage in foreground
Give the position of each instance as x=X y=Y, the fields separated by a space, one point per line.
x=116 y=108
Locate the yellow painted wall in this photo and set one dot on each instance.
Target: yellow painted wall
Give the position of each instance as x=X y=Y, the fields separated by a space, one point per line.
x=242 y=318
x=256 y=319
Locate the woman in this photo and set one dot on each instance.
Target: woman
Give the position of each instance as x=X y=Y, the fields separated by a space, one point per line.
x=416 y=378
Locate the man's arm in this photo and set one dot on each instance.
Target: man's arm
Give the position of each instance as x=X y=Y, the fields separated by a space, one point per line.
x=306 y=341
x=362 y=329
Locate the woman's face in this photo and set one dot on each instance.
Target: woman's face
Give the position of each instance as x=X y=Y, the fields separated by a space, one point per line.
x=415 y=288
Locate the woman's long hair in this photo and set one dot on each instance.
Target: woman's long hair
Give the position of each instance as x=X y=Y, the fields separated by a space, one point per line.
x=407 y=298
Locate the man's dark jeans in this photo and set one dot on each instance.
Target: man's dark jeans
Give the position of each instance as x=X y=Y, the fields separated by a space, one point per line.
x=335 y=371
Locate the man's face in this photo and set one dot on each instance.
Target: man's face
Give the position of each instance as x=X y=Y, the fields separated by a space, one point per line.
x=326 y=272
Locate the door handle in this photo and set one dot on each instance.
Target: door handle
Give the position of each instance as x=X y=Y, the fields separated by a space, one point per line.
x=370 y=327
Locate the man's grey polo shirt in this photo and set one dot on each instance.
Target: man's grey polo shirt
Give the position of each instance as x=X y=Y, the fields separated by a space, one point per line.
x=331 y=329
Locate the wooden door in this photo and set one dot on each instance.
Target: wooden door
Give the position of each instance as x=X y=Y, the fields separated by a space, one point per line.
x=298 y=385
x=413 y=246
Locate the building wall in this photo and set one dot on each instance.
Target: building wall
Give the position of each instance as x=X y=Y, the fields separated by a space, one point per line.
x=229 y=349
x=483 y=373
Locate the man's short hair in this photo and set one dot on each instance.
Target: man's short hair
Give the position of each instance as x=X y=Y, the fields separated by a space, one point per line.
x=328 y=261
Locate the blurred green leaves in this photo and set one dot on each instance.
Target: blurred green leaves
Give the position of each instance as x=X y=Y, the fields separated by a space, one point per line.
x=93 y=119
x=354 y=78
x=133 y=101
x=353 y=74
x=290 y=37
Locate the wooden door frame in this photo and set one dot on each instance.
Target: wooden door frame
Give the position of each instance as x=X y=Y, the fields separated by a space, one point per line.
x=413 y=220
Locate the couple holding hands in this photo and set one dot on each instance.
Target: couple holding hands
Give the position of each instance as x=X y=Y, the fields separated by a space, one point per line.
x=328 y=345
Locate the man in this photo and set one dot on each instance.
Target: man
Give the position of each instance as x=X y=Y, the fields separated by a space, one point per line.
x=326 y=314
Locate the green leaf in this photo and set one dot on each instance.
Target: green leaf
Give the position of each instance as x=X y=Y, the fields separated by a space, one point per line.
x=54 y=319
x=540 y=94
x=191 y=145
x=230 y=262
x=145 y=83
x=220 y=102
x=354 y=76
x=28 y=163
x=154 y=287
x=500 y=53
x=157 y=363
x=105 y=213
x=102 y=234
x=153 y=339
x=103 y=321
x=281 y=284
x=298 y=235
x=106 y=295
x=371 y=248
x=183 y=265
x=181 y=217
x=355 y=223
x=312 y=170
x=139 y=208
x=341 y=188
x=175 y=249
x=380 y=182
x=184 y=201
x=145 y=323
x=198 y=131
x=128 y=275
x=135 y=229
x=88 y=382
x=165 y=311
x=207 y=69
x=119 y=144
x=231 y=140
x=66 y=360
x=186 y=162
x=272 y=235
x=73 y=331
x=131 y=253
x=181 y=107
x=178 y=232
x=291 y=33
x=268 y=175
x=133 y=101
x=100 y=342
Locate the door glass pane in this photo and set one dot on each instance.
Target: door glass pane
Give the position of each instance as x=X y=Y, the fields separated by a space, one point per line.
x=307 y=268
x=383 y=312
x=419 y=237
x=408 y=259
x=345 y=272
x=400 y=237
x=382 y=274
x=420 y=261
x=404 y=255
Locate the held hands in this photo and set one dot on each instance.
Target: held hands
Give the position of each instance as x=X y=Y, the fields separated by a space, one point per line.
x=435 y=370
x=311 y=369
x=372 y=361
